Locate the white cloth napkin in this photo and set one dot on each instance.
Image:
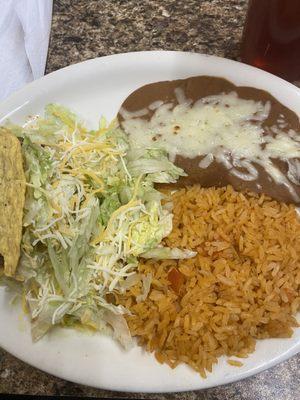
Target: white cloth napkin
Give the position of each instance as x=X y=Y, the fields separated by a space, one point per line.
x=24 y=38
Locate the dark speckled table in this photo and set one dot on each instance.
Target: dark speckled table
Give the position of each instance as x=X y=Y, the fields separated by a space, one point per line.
x=84 y=29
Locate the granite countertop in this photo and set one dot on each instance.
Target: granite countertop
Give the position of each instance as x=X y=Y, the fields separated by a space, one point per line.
x=84 y=29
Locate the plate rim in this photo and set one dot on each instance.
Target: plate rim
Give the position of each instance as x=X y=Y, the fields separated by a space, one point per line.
x=47 y=77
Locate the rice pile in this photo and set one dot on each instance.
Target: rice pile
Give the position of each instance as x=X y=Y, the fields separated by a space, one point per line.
x=243 y=285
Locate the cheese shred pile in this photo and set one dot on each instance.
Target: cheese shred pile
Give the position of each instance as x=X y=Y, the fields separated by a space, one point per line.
x=90 y=210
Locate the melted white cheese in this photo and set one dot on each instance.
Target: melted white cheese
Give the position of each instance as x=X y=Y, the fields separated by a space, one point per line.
x=224 y=128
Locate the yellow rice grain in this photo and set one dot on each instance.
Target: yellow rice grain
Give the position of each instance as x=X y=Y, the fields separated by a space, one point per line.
x=243 y=284
x=235 y=363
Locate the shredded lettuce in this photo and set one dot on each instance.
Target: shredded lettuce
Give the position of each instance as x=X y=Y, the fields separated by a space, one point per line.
x=155 y=163
x=146 y=281
x=166 y=253
x=91 y=210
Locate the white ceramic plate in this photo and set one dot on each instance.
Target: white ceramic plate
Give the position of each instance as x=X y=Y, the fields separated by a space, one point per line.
x=98 y=87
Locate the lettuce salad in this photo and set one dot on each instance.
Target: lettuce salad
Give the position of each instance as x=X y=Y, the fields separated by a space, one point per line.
x=91 y=210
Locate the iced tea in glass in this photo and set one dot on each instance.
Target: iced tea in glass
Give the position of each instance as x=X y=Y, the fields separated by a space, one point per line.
x=271 y=37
